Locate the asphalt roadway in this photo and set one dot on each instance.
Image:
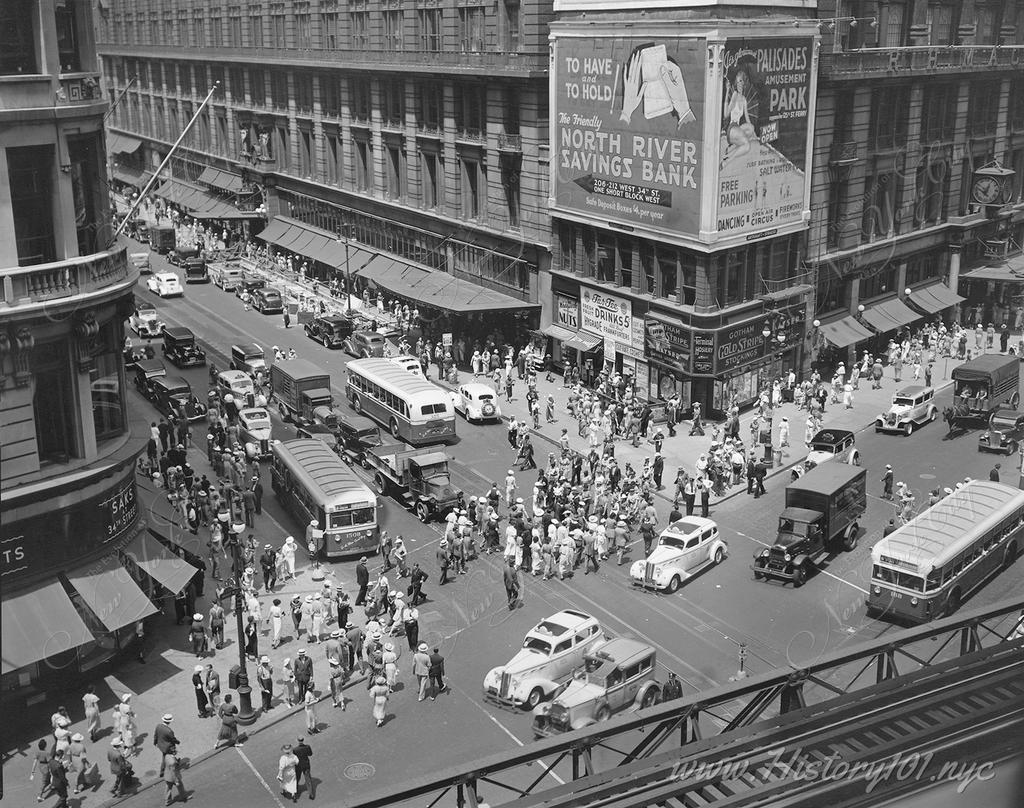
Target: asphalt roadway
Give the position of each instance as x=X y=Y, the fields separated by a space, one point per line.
x=697 y=631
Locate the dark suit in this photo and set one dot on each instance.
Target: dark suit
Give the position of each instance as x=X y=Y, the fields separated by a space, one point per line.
x=658 y=468
x=302 y=769
x=363 y=581
x=163 y=738
x=437 y=673
x=994 y=475
x=257 y=491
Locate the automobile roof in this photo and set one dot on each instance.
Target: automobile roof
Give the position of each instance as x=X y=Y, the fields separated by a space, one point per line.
x=911 y=390
x=831 y=436
x=178 y=332
x=620 y=650
x=172 y=382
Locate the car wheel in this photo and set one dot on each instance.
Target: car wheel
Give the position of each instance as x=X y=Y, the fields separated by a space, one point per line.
x=908 y=429
x=536 y=697
x=952 y=602
x=758 y=575
x=650 y=697
x=380 y=483
x=850 y=543
x=932 y=416
x=603 y=714
x=719 y=556
x=357 y=405
x=393 y=427
x=799 y=576
x=1011 y=448
x=673 y=585
x=422 y=512
x=1009 y=555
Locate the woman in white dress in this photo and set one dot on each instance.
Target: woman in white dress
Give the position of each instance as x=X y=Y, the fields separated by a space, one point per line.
x=286 y=775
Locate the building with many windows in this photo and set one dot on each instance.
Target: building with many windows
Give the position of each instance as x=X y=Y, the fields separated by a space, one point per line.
x=416 y=131
x=70 y=437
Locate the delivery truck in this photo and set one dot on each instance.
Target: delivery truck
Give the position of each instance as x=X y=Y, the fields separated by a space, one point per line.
x=299 y=387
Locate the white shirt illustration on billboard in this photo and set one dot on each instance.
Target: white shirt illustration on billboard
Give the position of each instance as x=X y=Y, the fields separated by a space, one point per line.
x=651 y=77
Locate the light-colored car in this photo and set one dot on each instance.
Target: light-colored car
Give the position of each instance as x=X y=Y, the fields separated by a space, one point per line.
x=254 y=431
x=237 y=383
x=476 y=402
x=140 y=261
x=911 y=406
x=145 y=321
x=684 y=548
x=364 y=344
x=833 y=444
x=552 y=650
x=409 y=362
x=615 y=675
x=165 y=284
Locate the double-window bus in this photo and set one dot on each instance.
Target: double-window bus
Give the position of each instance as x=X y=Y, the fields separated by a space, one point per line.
x=411 y=408
x=315 y=484
x=927 y=567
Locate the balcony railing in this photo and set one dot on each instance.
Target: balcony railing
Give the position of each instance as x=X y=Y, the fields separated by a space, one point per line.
x=510 y=143
x=921 y=58
x=79 y=88
x=64 y=279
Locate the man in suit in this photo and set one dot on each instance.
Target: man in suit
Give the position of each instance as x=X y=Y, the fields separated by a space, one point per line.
x=437 y=674
x=657 y=469
x=164 y=739
x=268 y=563
x=994 y=474
x=257 y=492
x=304 y=752
x=118 y=766
x=303 y=667
x=421 y=669
x=362 y=580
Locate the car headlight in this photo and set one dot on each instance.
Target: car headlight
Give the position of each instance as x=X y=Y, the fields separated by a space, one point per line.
x=913 y=601
x=788 y=557
x=877 y=590
x=765 y=553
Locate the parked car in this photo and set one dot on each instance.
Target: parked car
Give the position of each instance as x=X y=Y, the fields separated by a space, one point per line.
x=911 y=406
x=249 y=284
x=615 y=675
x=684 y=548
x=180 y=347
x=145 y=321
x=319 y=432
x=1004 y=434
x=357 y=434
x=165 y=284
x=363 y=344
x=173 y=395
x=476 y=402
x=551 y=651
x=238 y=384
x=268 y=300
x=833 y=444
x=145 y=371
x=177 y=257
x=329 y=329
x=410 y=363
x=254 y=431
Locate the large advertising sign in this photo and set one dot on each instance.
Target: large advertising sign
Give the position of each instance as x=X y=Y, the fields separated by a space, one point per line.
x=628 y=123
x=668 y=342
x=765 y=117
x=735 y=346
x=609 y=315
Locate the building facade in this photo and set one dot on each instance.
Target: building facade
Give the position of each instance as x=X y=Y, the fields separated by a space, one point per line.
x=918 y=184
x=70 y=437
x=413 y=129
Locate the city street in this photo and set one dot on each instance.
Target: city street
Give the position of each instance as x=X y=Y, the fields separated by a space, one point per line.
x=697 y=631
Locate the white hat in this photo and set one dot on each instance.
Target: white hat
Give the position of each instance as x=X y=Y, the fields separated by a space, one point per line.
x=198 y=669
x=168 y=718
x=264 y=658
x=77 y=737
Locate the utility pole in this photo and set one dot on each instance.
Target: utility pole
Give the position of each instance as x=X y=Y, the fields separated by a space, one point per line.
x=246 y=715
x=346 y=234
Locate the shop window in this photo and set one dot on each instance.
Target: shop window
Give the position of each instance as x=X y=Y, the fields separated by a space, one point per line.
x=17 y=38
x=53 y=404
x=926 y=267
x=881 y=282
x=106 y=384
x=30 y=170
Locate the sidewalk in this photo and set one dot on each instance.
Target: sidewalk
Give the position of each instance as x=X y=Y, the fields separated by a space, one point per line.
x=163 y=684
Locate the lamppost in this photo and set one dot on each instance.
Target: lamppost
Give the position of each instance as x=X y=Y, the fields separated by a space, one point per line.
x=246 y=715
x=344 y=234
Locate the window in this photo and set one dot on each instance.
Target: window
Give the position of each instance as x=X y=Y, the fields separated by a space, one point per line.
x=360 y=28
x=335 y=170
x=512 y=32
x=832 y=292
x=393 y=102
x=889 y=112
x=926 y=266
x=258 y=88
x=236 y=82
x=361 y=99
x=303 y=26
x=838 y=199
x=983 y=107
x=305 y=153
x=198 y=28
x=877 y=283
x=330 y=94
x=235 y=26
x=395 y=162
x=431 y=171
x=329 y=25
x=938 y=112
x=281 y=147
x=668 y=274
x=736 y=276
x=87 y=190
x=429 y=22
x=394 y=20
x=185 y=79
x=279 y=89
x=278 y=36
x=68 y=38
x=364 y=169
x=17 y=40
x=255 y=26
x=304 y=92
x=624 y=253
x=1016 y=111
x=184 y=30
x=942 y=23
x=605 y=258
x=932 y=187
x=106 y=385
x=892 y=24
x=881 y=200
x=510 y=173
x=30 y=170
x=987 y=22
x=431 y=106
x=471 y=28
x=471 y=110
x=472 y=185
x=53 y=404
x=216 y=27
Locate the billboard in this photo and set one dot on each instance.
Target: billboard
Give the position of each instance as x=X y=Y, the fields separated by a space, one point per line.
x=606 y=314
x=765 y=122
x=627 y=126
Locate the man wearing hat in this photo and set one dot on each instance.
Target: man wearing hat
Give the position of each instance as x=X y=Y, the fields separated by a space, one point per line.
x=443 y=561
x=303 y=752
x=421 y=669
x=268 y=563
x=993 y=475
x=163 y=738
x=362 y=581
x=119 y=766
x=303 y=667
x=336 y=671
x=887 y=477
x=265 y=679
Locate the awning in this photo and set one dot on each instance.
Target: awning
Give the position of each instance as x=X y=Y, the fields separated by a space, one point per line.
x=109 y=591
x=334 y=255
x=933 y=299
x=121 y=144
x=200 y=203
x=219 y=178
x=131 y=176
x=38 y=624
x=845 y=331
x=219 y=209
x=273 y=231
x=159 y=563
x=558 y=332
x=583 y=341
x=439 y=289
x=379 y=267
x=889 y=315
x=1012 y=269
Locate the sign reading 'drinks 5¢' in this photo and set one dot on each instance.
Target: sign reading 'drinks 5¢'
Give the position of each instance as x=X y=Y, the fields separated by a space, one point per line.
x=629 y=118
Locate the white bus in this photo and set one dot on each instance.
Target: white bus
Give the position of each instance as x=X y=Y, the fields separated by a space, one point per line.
x=408 y=406
x=927 y=567
x=313 y=483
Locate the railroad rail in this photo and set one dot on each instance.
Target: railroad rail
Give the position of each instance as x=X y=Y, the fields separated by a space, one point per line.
x=861 y=724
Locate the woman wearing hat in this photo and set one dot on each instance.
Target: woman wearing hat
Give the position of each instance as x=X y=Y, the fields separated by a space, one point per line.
x=390 y=660
x=289 y=682
x=127 y=723
x=92 y=712
x=197 y=635
x=78 y=763
x=199 y=687
x=379 y=697
x=252 y=638
x=276 y=618
x=286 y=774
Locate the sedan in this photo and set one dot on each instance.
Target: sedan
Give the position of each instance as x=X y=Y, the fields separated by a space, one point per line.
x=165 y=284
x=254 y=432
x=476 y=402
x=145 y=321
x=363 y=344
x=1004 y=434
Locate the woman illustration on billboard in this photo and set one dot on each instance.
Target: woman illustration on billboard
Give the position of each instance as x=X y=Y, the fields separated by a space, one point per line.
x=741 y=111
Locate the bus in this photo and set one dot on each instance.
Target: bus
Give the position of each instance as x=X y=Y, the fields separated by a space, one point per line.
x=411 y=408
x=927 y=567
x=314 y=484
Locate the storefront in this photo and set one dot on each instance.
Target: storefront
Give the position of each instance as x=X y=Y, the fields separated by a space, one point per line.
x=994 y=294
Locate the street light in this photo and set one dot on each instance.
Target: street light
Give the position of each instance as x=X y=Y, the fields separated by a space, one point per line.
x=346 y=233
x=246 y=715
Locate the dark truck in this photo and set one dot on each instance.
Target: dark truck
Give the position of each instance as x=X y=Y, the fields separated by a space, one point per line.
x=983 y=385
x=418 y=478
x=299 y=387
x=162 y=239
x=821 y=517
